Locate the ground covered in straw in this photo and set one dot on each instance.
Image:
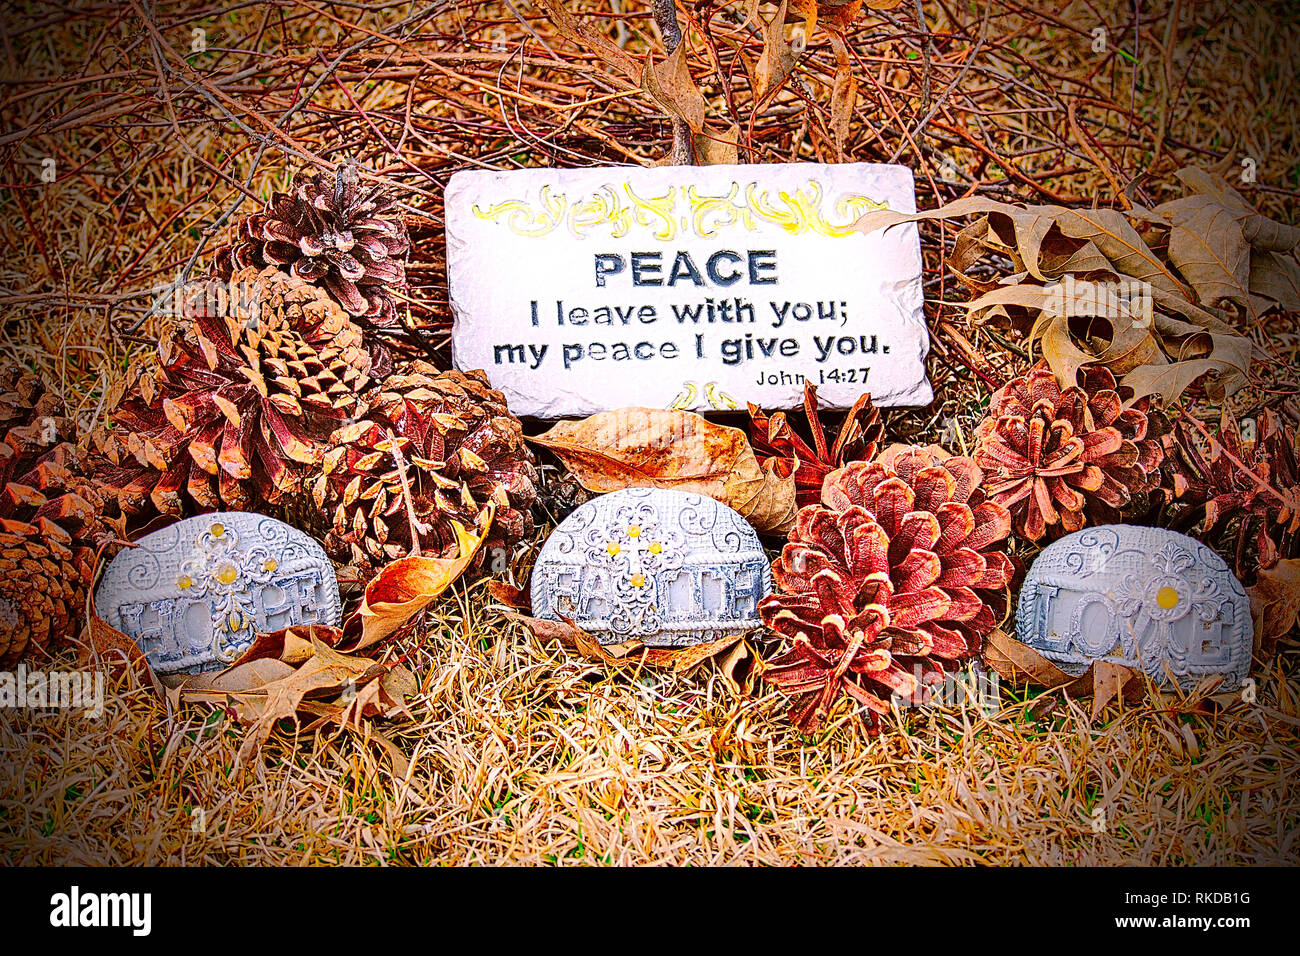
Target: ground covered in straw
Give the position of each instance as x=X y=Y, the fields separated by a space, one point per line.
x=517 y=750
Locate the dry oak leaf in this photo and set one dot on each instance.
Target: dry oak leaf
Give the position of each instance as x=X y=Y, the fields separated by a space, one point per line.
x=670 y=85
x=292 y=645
x=108 y=645
x=1275 y=605
x=1111 y=681
x=1111 y=234
x=1119 y=242
x=1207 y=245
x=262 y=692
x=591 y=39
x=1263 y=234
x=717 y=148
x=732 y=654
x=1276 y=276
x=835 y=14
x=405 y=587
x=666 y=448
x=683 y=660
x=844 y=93
x=1029 y=225
x=1161 y=358
x=382 y=697
x=1019 y=663
x=777 y=60
x=567 y=632
x=509 y=595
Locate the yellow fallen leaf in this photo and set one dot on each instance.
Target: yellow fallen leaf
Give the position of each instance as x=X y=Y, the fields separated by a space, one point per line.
x=1103 y=681
x=407 y=586
x=266 y=690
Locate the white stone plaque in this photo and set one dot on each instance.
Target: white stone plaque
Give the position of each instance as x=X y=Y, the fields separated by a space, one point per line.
x=666 y=567
x=194 y=595
x=1147 y=598
x=700 y=287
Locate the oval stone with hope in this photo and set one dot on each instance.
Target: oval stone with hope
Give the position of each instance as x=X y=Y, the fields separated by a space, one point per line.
x=1148 y=598
x=669 y=568
x=193 y=595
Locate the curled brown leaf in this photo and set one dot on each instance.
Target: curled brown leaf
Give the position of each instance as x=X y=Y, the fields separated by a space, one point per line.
x=405 y=587
x=666 y=448
x=1275 y=605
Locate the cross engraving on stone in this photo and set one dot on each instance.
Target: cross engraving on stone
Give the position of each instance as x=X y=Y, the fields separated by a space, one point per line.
x=636 y=548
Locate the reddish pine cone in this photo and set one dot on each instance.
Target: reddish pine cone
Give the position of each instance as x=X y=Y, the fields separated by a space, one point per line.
x=50 y=524
x=242 y=401
x=459 y=447
x=858 y=439
x=333 y=232
x=1053 y=456
x=1246 y=490
x=890 y=579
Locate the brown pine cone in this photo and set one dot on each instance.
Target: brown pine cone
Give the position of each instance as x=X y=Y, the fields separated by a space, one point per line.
x=242 y=400
x=458 y=447
x=1252 y=499
x=1055 y=456
x=333 y=232
x=50 y=524
x=858 y=439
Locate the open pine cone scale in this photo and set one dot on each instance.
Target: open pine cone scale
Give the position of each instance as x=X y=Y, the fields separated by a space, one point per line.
x=880 y=583
x=857 y=440
x=1056 y=456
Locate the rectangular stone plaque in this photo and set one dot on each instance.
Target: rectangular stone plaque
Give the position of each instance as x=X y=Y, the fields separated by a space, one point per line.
x=700 y=287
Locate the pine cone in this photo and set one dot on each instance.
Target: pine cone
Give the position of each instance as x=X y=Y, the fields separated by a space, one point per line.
x=458 y=447
x=857 y=440
x=50 y=524
x=335 y=233
x=1217 y=491
x=242 y=401
x=1052 y=454
x=885 y=582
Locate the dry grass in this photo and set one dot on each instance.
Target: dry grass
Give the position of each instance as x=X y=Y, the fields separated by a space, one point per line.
x=520 y=754
x=517 y=752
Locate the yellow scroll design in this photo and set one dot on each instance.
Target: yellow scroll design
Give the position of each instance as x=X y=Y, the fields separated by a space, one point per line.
x=621 y=209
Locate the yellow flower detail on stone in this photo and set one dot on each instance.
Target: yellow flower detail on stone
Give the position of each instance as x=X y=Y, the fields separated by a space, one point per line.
x=270 y=565
x=634 y=531
x=612 y=548
x=1167 y=598
x=656 y=548
x=227 y=574
x=638 y=580
x=185 y=582
x=217 y=530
